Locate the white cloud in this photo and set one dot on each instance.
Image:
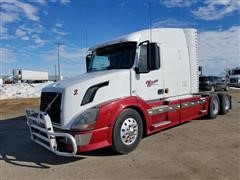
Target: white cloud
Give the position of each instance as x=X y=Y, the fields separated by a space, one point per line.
x=35 y=28
x=7 y=56
x=29 y=10
x=3 y=29
x=65 y=1
x=66 y=54
x=38 y=40
x=171 y=23
x=8 y=17
x=25 y=38
x=43 y=2
x=20 y=33
x=178 y=3
x=216 y=9
x=17 y=8
x=59 y=25
x=59 y=32
x=219 y=50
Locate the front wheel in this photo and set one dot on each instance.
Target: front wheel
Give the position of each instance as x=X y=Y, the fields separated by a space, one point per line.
x=127 y=131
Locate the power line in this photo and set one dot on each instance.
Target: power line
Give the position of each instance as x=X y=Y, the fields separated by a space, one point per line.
x=58 y=46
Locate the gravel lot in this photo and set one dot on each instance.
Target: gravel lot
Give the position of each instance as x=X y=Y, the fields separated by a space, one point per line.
x=200 y=149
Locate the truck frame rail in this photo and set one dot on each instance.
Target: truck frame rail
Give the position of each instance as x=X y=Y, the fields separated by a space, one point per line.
x=42 y=132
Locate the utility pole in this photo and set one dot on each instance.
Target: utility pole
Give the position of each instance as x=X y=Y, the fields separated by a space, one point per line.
x=55 y=78
x=58 y=46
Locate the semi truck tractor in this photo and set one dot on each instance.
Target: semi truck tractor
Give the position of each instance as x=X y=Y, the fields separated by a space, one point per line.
x=234 y=77
x=21 y=75
x=135 y=85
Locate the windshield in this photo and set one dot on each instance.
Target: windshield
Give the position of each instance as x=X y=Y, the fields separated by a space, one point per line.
x=236 y=72
x=117 y=56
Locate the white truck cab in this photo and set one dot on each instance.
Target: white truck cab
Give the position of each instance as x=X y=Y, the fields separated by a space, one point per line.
x=234 y=77
x=134 y=86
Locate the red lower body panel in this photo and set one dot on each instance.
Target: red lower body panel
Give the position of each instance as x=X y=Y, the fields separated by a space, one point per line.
x=98 y=138
x=186 y=110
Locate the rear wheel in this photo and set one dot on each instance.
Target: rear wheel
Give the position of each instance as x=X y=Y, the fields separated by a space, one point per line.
x=212 y=88
x=226 y=88
x=127 y=131
x=225 y=103
x=214 y=106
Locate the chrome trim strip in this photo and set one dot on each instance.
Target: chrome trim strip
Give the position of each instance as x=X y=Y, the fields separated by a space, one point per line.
x=165 y=108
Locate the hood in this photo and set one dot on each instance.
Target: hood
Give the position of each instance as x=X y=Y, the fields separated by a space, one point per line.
x=113 y=84
x=86 y=78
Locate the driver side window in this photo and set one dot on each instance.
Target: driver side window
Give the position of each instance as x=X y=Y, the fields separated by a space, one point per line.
x=142 y=64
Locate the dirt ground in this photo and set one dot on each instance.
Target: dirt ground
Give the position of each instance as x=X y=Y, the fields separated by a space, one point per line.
x=200 y=149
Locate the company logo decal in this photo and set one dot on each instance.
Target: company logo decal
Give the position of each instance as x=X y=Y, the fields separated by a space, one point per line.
x=150 y=83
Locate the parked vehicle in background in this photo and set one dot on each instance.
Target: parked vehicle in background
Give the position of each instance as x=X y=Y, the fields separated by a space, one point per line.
x=212 y=83
x=20 y=75
x=234 y=77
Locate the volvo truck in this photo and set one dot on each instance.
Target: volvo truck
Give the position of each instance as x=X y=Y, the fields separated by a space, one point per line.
x=135 y=85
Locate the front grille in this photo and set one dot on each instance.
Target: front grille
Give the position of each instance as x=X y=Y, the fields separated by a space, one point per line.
x=55 y=108
x=235 y=80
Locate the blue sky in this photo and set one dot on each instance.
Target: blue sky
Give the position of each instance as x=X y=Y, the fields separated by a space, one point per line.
x=29 y=30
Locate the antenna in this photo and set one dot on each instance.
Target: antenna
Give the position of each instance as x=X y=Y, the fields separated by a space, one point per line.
x=58 y=46
x=150 y=19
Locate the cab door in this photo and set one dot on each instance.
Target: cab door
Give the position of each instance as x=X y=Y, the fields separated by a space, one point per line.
x=149 y=75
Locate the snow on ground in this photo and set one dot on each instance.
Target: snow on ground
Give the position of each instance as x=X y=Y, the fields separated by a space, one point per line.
x=235 y=88
x=21 y=90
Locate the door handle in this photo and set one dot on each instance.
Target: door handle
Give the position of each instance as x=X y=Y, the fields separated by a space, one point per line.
x=160 y=91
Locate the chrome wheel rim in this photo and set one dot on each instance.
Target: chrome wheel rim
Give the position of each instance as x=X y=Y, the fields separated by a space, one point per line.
x=212 y=88
x=129 y=131
x=215 y=106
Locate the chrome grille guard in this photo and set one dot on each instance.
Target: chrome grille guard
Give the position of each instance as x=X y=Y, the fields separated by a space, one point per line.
x=42 y=132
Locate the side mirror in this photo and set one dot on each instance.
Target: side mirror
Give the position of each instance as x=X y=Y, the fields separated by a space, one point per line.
x=153 y=57
x=149 y=58
x=88 y=59
x=137 y=70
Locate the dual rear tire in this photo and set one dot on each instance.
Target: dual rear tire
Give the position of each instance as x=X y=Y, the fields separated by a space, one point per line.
x=218 y=104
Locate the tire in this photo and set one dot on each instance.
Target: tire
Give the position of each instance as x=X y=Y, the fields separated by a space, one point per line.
x=127 y=131
x=212 y=89
x=226 y=88
x=225 y=103
x=214 y=106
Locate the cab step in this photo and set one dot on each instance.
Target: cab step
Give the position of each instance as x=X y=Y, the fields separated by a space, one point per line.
x=163 y=123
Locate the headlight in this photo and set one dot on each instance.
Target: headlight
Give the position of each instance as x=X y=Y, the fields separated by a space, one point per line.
x=207 y=82
x=86 y=120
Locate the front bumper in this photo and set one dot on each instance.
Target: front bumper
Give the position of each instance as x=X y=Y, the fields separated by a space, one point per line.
x=42 y=133
x=53 y=139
